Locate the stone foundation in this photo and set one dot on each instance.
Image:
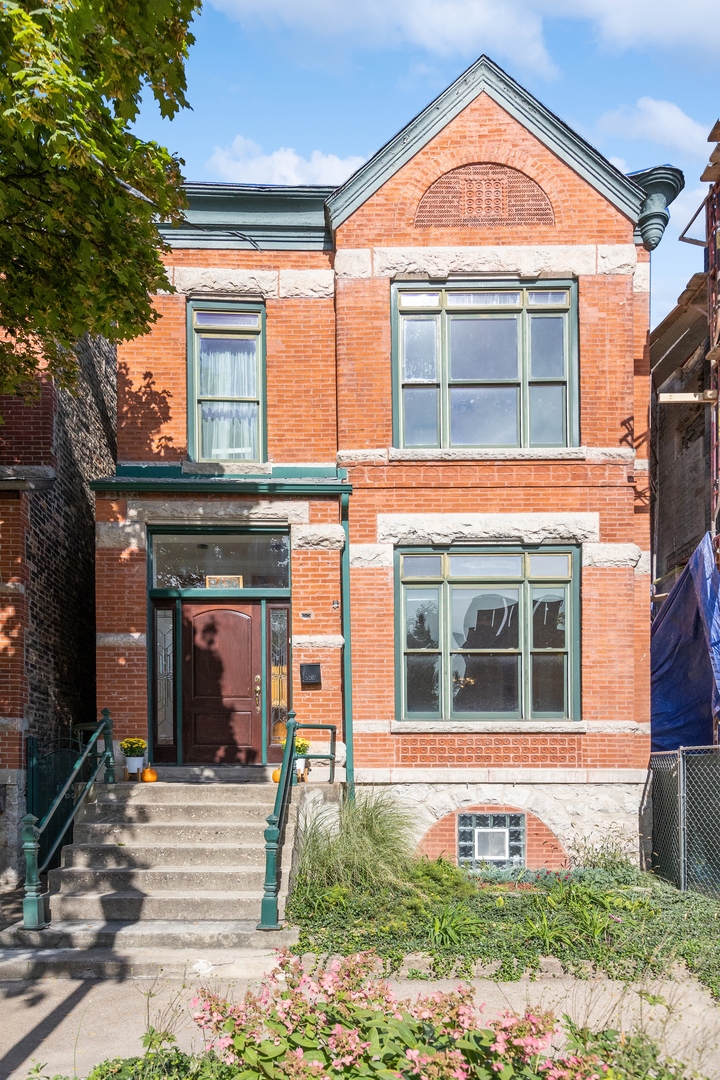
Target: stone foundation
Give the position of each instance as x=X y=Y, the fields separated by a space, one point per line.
x=570 y=811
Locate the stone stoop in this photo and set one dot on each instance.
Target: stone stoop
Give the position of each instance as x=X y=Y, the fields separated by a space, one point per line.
x=175 y=865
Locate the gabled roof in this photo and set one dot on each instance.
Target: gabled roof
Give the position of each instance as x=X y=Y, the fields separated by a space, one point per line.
x=484 y=75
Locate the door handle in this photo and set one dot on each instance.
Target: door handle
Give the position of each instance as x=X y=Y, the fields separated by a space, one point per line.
x=257 y=693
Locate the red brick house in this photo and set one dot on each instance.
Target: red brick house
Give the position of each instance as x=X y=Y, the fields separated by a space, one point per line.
x=383 y=459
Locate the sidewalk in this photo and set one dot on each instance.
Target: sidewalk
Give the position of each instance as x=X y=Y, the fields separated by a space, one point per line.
x=71 y=1025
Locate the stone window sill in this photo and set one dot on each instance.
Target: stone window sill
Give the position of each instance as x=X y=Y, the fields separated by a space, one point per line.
x=488 y=727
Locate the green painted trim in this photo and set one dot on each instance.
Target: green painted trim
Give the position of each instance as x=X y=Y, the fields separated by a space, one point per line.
x=190 y=402
x=219 y=594
x=395 y=363
x=574 y=372
x=178 y=681
x=180 y=528
x=662 y=185
x=347 y=646
x=484 y=75
x=574 y=631
x=230 y=485
x=252 y=216
x=150 y=659
x=193 y=381
x=575 y=698
x=249 y=237
x=263 y=677
x=292 y=472
x=399 y=628
x=571 y=381
x=143 y=469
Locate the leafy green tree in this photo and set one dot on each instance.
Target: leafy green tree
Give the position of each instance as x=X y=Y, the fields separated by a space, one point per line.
x=80 y=195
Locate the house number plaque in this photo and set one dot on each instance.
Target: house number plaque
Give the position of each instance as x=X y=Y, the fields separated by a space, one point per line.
x=223 y=581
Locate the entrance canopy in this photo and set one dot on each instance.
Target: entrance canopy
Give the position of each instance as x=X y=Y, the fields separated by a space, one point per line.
x=685 y=656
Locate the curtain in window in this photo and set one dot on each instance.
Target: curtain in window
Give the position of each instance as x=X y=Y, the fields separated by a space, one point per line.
x=229 y=430
x=228 y=367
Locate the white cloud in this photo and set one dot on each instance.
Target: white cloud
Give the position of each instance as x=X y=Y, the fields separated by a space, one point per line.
x=640 y=23
x=443 y=27
x=660 y=122
x=619 y=163
x=469 y=27
x=245 y=162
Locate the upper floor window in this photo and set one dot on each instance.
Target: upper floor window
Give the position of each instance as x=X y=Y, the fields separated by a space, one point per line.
x=482 y=366
x=226 y=382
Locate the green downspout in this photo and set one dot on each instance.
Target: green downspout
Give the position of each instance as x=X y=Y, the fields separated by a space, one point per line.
x=347 y=649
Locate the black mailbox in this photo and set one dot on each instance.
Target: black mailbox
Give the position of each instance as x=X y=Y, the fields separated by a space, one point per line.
x=310 y=675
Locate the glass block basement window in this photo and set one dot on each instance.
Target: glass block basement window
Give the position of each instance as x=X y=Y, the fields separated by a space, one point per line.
x=491 y=840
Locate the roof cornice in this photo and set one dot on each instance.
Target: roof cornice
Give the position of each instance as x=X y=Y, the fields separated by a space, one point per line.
x=484 y=75
x=661 y=185
x=219 y=485
x=263 y=216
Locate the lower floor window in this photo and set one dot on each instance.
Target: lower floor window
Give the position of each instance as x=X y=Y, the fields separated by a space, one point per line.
x=487 y=635
x=491 y=840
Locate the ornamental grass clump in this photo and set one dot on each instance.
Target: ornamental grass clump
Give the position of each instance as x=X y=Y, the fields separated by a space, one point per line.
x=361 y=844
x=345 y=1022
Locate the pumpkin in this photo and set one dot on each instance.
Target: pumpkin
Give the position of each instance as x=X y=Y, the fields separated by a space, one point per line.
x=276 y=775
x=148 y=775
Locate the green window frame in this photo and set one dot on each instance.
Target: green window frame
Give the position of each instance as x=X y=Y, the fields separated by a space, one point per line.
x=488 y=633
x=164 y=616
x=481 y=365
x=226 y=382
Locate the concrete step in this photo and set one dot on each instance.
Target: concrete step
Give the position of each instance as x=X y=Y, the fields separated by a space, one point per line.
x=206 y=833
x=177 y=813
x=215 y=774
x=174 y=879
x=160 y=792
x=191 y=966
x=109 y=856
x=121 y=936
x=126 y=905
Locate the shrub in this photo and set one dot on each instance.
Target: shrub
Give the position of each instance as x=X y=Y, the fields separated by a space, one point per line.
x=610 y=852
x=343 y=1022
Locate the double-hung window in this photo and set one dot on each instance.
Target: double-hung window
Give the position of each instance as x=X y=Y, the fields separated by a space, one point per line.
x=485 y=366
x=226 y=382
x=488 y=635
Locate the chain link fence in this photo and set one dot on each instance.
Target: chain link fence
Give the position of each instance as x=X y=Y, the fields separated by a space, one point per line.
x=686 y=818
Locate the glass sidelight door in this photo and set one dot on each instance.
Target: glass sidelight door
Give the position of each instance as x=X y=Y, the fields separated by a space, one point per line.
x=219 y=680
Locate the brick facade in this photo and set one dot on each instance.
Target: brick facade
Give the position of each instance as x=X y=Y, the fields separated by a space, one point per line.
x=521 y=214
x=51 y=447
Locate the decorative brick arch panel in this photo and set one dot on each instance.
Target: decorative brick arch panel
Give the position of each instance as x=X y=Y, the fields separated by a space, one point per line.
x=483 y=196
x=542 y=847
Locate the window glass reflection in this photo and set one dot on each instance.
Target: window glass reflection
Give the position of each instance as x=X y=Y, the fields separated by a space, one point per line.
x=485 y=618
x=210 y=560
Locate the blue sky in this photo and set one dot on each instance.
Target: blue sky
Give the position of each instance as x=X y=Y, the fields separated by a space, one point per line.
x=301 y=91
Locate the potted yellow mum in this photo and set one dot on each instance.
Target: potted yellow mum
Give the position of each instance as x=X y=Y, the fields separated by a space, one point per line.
x=134 y=751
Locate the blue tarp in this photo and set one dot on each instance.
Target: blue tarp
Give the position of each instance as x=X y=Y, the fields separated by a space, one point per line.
x=685 y=656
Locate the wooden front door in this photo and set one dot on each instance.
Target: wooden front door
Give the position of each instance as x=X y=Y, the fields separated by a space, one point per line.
x=221 y=682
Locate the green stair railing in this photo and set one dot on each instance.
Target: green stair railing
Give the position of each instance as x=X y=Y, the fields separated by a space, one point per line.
x=33 y=901
x=269 y=919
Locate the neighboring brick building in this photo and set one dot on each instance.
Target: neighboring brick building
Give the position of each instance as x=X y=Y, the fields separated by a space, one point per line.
x=446 y=358
x=51 y=446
